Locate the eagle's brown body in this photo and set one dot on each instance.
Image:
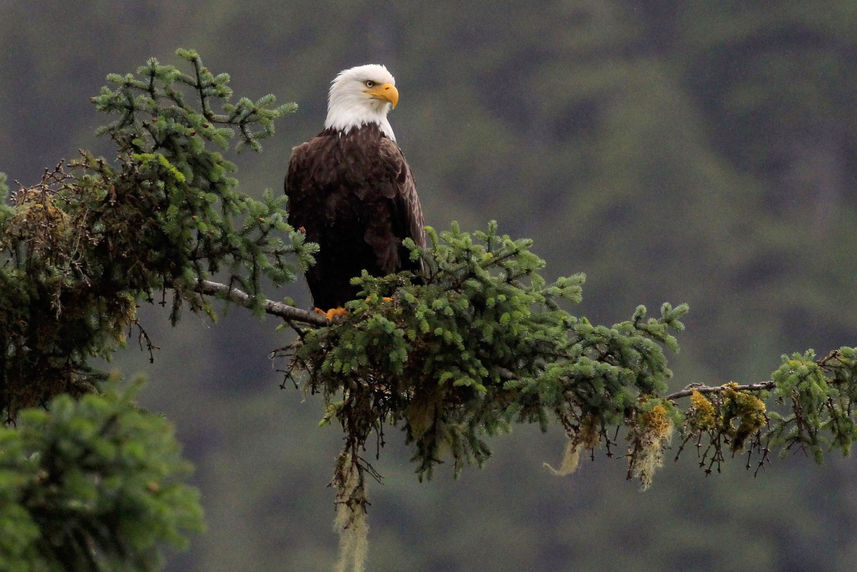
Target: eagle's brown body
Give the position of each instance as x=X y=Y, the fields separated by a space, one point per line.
x=353 y=194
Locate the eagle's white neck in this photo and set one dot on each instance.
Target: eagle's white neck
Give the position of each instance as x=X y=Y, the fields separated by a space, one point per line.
x=348 y=106
x=345 y=114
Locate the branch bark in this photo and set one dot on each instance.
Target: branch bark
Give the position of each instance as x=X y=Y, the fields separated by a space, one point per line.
x=688 y=391
x=271 y=307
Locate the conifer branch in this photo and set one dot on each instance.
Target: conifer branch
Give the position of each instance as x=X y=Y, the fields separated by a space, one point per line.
x=690 y=389
x=760 y=386
x=271 y=307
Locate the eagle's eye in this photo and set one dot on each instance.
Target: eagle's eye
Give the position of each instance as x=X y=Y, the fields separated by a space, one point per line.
x=369 y=83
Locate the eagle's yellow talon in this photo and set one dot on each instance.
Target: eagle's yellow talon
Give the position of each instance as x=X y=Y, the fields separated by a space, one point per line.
x=384 y=298
x=334 y=313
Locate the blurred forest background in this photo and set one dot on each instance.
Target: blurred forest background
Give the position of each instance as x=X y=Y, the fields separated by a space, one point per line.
x=701 y=152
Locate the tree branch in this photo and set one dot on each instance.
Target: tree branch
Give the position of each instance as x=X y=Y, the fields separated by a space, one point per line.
x=271 y=307
x=291 y=313
x=688 y=391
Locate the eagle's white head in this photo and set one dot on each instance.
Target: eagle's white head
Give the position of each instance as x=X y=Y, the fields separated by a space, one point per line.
x=362 y=95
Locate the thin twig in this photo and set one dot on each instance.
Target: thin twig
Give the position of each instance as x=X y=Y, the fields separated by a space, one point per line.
x=688 y=391
x=271 y=307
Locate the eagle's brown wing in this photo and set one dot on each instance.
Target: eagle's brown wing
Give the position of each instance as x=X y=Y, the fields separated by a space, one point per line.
x=354 y=195
x=400 y=216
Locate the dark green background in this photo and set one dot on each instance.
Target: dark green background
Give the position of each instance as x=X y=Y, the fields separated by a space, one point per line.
x=699 y=152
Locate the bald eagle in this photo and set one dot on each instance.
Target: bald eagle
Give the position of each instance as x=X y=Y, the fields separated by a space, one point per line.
x=351 y=190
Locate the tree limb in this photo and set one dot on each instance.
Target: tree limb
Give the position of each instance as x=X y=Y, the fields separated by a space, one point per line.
x=688 y=391
x=271 y=307
x=291 y=313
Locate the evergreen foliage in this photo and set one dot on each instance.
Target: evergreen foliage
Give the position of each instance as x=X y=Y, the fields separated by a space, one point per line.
x=822 y=395
x=92 y=484
x=93 y=239
x=483 y=341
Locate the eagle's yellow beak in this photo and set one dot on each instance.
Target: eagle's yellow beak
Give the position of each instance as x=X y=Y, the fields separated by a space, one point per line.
x=385 y=91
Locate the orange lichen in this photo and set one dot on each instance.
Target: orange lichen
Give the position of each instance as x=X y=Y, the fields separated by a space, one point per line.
x=656 y=420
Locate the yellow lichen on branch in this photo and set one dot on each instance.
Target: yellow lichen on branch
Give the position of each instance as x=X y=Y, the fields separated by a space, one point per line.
x=701 y=414
x=651 y=436
x=743 y=415
x=585 y=437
